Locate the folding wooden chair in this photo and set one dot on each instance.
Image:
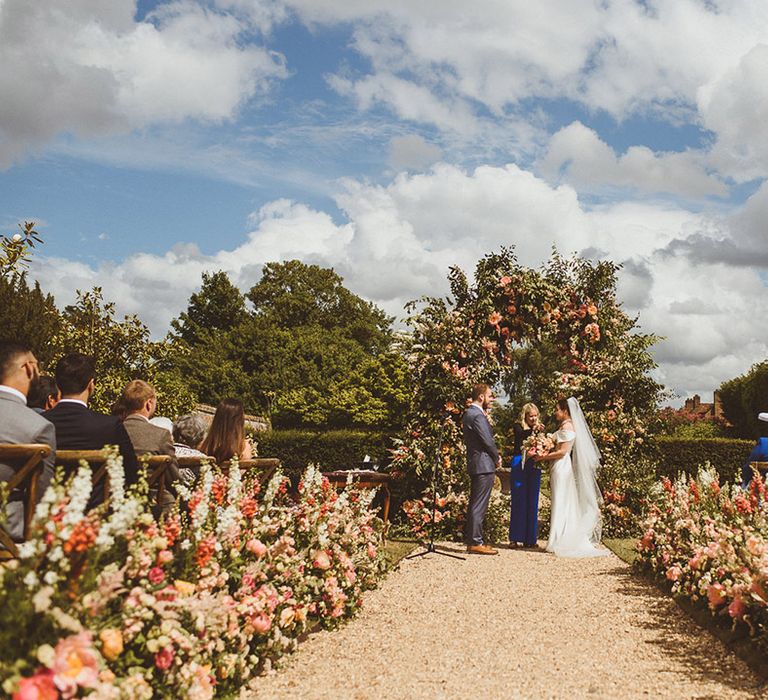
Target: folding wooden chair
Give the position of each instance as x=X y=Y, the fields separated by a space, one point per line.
x=31 y=458
x=264 y=466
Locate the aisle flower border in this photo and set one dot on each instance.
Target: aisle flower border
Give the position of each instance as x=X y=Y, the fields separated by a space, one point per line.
x=112 y=604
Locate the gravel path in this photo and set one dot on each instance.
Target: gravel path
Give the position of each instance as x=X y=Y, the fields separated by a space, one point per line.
x=519 y=625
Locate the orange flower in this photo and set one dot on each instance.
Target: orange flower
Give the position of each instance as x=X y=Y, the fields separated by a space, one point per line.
x=494 y=318
x=111 y=643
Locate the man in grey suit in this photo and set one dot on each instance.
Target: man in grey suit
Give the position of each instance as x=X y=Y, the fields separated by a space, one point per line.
x=482 y=459
x=21 y=425
x=140 y=402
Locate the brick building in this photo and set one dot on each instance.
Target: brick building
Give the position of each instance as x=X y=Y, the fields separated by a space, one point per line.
x=705 y=410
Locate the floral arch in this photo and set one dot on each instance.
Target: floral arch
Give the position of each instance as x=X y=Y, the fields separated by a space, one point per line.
x=539 y=334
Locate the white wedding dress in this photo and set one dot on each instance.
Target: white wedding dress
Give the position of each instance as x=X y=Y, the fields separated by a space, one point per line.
x=575 y=526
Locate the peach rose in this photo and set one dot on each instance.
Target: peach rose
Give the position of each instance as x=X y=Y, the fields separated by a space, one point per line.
x=76 y=663
x=321 y=560
x=256 y=547
x=111 y=643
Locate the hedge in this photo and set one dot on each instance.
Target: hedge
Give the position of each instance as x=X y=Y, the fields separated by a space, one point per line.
x=330 y=449
x=677 y=455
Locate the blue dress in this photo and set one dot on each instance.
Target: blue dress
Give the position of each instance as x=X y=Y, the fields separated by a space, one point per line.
x=759 y=454
x=524 y=484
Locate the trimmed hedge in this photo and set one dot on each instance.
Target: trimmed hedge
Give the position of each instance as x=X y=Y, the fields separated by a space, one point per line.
x=331 y=449
x=677 y=455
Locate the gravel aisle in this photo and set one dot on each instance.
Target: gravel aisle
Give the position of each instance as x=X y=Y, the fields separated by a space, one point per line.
x=519 y=625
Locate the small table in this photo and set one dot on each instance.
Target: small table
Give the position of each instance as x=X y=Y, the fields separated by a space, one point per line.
x=365 y=479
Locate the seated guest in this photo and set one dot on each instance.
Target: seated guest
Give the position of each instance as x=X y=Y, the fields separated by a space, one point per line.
x=79 y=428
x=21 y=425
x=140 y=402
x=759 y=452
x=43 y=395
x=226 y=438
x=188 y=433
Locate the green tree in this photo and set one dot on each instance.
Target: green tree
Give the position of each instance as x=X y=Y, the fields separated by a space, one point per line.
x=123 y=351
x=29 y=315
x=744 y=397
x=218 y=306
x=16 y=250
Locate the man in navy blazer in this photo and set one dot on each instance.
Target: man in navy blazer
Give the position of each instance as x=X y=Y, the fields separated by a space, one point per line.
x=482 y=459
x=79 y=428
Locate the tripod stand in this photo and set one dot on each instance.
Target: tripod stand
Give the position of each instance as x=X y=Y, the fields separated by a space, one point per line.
x=430 y=548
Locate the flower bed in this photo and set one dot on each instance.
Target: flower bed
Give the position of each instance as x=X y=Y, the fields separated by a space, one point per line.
x=115 y=605
x=710 y=544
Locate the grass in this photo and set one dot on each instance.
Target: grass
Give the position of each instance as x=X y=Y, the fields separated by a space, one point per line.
x=397 y=549
x=623 y=548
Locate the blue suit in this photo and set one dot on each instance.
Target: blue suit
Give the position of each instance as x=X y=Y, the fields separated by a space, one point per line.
x=759 y=454
x=482 y=459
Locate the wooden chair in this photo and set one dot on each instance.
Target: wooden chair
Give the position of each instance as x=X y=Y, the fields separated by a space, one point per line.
x=364 y=479
x=31 y=458
x=265 y=466
x=156 y=466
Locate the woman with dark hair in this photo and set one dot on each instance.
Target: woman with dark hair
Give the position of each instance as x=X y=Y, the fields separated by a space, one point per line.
x=575 y=524
x=226 y=438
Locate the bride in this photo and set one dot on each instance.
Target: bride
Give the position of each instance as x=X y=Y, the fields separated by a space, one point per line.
x=575 y=526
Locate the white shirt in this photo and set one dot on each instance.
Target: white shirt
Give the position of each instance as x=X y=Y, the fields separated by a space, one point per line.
x=13 y=392
x=82 y=403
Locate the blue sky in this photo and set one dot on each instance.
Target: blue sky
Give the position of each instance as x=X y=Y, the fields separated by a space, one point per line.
x=153 y=141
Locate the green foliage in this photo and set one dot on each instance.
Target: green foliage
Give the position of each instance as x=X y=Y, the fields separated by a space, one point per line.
x=28 y=315
x=16 y=250
x=123 y=351
x=310 y=354
x=744 y=397
x=678 y=455
x=330 y=450
x=218 y=306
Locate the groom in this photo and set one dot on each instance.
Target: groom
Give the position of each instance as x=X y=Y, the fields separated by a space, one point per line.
x=482 y=460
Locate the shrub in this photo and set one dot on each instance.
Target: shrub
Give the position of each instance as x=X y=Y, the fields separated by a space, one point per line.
x=330 y=450
x=675 y=456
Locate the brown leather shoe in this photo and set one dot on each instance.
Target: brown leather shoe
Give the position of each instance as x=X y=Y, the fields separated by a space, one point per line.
x=481 y=549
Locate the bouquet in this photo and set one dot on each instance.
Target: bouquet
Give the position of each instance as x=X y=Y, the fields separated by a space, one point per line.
x=538 y=444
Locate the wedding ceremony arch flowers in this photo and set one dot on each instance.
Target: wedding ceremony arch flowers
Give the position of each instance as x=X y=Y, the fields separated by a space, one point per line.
x=113 y=604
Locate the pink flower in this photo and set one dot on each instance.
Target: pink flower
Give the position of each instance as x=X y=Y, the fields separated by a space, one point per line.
x=505 y=281
x=737 y=608
x=674 y=573
x=156 y=575
x=371 y=550
x=38 y=687
x=321 y=560
x=164 y=557
x=261 y=623
x=256 y=547
x=76 y=663
x=164 y=658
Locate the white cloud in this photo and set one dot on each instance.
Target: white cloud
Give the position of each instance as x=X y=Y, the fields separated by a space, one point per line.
x=400 y=238
x=412 y=152
x=578 y=156
x=88 y=68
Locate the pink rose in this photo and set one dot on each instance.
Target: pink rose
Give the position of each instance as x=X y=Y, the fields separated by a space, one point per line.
x=38 y=687
x=164 y=658
x=261 y=623
x=674 y=573
x=256 y=547
x=321 y=560
x=75 y=663
x=165 y=556
x=156 y=575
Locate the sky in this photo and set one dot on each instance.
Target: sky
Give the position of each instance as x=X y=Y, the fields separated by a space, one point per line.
x=153 y=141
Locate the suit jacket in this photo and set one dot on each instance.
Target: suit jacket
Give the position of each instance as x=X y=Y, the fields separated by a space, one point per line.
x=482 y=453
x=80 y=428
x=151 y=439
x=19 y=425
x=759 y=453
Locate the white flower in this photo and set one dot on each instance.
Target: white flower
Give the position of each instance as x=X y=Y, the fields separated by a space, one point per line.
x=42 y=599
x=28 y=549
x=50 y=577
x=46 y=655
x=31 y=580
x=16 y=237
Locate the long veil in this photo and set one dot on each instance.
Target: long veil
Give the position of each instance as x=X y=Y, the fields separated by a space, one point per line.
x=586 y=460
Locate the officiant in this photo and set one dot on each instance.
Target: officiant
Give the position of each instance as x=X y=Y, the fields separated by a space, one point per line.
x=524 y=484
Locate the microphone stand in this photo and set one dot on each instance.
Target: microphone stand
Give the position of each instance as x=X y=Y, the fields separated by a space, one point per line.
x=430 y=548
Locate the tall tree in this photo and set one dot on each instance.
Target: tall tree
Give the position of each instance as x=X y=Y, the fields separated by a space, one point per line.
x=744 y=398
